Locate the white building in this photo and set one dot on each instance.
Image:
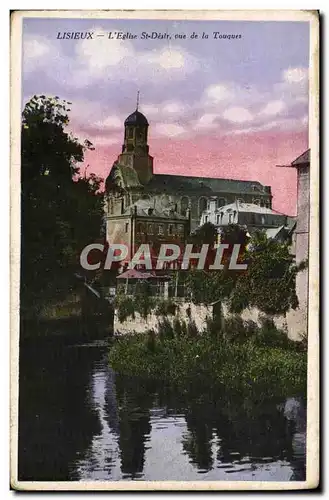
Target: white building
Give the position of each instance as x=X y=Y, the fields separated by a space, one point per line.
x=245 y=214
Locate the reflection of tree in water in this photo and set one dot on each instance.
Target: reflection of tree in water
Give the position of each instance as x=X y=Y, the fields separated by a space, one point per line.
x=257 y=431
x=56 y=422
x=197 y=443
x=249 y=429
x=134 y=399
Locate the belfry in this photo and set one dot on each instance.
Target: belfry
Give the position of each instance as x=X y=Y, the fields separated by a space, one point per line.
x=135 y=149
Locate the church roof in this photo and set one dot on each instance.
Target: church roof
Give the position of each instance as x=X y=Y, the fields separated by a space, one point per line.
x=136 y=118
x=147 y=208
x=208 y=185
x=122 y=176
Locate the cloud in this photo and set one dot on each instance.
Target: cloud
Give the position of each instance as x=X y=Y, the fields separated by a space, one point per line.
x=295 y=75
x=100 y=53
x=38 y=51
x=218 y=93
x=237 y=115
x=273 y=108
x=150 y=109
x=101 y=59
x=206 y=121
x=111 y=122
x=169 y=129
x=174 y=107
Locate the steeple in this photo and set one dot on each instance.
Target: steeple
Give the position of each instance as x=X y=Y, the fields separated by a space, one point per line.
x=135 y=150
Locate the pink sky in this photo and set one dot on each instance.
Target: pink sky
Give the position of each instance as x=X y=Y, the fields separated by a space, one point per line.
x=239 y=157
x=231 y=108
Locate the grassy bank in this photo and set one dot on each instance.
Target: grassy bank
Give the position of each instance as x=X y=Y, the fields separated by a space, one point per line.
x=213 y=362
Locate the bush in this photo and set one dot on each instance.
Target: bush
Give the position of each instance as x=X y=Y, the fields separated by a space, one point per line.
x=205 y=361
x=180 y=328
x=125 y=307
x=166 y=308
x=270 y=335
x=165 y=329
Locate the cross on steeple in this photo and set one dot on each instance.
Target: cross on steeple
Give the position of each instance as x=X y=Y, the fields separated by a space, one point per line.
x=137 y=101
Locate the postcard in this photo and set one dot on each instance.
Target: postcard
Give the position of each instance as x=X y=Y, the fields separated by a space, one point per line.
x=164 y=250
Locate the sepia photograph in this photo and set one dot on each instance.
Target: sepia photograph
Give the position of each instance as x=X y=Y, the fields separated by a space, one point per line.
x=164 y=251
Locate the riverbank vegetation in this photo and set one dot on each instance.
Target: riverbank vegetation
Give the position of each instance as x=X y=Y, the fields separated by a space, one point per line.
x=242 y=357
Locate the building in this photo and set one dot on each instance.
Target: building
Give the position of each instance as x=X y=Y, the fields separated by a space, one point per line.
x=132 y=178
x=148 y=221
x=251 y=215
x=301 y=234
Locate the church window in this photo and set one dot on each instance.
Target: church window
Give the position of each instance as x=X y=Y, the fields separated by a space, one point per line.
x=202 y=205
x=150 y=229
x=130 y=133
x=126 y=227
x=170 y=229
x=140 y=227
x=218 y=219
x=160 y=229
x=221 y=202
x=185 y=201
x=230 y=218
x=181 y=229
x=206 y=218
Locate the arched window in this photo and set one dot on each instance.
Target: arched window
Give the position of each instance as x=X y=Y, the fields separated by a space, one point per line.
x=221 y=202
x=184 y=204
x=202 y=205
x=140 y=227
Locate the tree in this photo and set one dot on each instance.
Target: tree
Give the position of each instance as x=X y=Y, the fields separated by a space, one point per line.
x=269 y=283
x=61 y=212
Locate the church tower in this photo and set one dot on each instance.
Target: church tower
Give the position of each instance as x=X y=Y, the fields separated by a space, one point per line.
x=135 y=150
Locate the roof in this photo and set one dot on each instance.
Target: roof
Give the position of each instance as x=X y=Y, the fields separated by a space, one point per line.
x=134 y=274
x=302 y=159
x=167 y=182
x=136 y=118
x=146 y=208
x=139 y=275
x=248 y=207
x=272 y=232
x=122 y=176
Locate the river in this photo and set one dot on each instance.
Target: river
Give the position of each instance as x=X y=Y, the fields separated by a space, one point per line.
x=80 y=421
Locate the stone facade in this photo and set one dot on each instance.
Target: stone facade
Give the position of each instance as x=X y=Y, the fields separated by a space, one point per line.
x=132 y=178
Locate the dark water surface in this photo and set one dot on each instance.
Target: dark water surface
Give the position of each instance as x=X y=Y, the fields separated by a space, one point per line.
x=81 y=421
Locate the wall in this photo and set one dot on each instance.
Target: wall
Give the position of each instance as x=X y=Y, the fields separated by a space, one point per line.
x=302 y=239
x=198 y=314
x=293 y=322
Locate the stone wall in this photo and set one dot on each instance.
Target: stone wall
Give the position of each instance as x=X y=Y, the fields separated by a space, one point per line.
x=186 y=311
x=293 y=322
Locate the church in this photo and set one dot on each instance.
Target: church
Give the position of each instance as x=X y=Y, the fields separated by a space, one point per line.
x=139 y=201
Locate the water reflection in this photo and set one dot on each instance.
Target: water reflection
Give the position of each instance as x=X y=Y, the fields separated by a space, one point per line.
x=80 y=421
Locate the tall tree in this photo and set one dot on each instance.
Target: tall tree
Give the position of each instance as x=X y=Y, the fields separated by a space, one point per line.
x=61 y=212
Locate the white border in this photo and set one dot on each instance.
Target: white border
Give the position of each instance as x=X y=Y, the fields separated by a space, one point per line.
x=313 y=353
